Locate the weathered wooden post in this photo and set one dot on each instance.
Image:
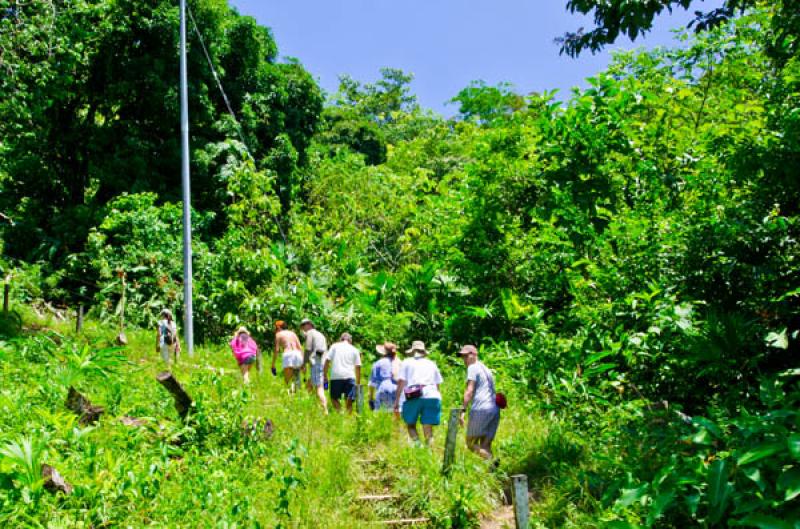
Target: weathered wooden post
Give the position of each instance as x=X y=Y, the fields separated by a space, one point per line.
x=450 y=443
x=183 y=402
x=6 y=295
x=121 y=338
x=79 y=319
x=520 y=492
x=359 y=399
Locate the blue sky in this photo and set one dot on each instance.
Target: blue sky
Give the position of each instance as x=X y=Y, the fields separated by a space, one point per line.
x=444 y=43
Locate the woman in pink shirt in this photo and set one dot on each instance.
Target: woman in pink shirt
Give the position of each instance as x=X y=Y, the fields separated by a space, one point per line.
x=245 y=350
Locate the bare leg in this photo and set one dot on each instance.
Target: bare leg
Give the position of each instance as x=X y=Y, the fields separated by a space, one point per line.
x=322 y=400
x=337 y=405
x=287 y=378
x=245 y=369
x=486 y=448
x=296 y=383
x=412 y=432
x=349 y=405
x=427 y=429
x=481 y=446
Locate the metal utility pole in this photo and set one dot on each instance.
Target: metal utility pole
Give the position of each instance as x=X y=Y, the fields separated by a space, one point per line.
x=188 y=330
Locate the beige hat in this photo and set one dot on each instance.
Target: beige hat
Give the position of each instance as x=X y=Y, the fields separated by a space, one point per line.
x=241 y=330
x=417 y=348
x=386 y=348
x=468 y=349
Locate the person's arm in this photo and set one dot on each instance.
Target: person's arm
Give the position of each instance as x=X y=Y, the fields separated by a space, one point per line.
x=401 y=385
x=325 y=368
x=275 y=352
x=469 y=392
x=358 y=375
x=158 y=337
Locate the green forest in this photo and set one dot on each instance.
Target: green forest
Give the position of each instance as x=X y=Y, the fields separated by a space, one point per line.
x=626 y=257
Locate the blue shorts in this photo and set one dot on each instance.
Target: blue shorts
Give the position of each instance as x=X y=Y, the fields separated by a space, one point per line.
x=386 y=400
x=483 y=423
x=426 y=411
x=317 y=375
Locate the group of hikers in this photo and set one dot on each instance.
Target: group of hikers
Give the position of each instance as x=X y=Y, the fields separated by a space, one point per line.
x=410 y=388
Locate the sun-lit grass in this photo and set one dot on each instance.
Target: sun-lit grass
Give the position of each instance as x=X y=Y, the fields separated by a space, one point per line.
x=210 y=472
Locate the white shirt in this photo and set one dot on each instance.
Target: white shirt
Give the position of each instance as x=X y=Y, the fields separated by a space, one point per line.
x=484 y=396
x=343 y=358
x=422 y=372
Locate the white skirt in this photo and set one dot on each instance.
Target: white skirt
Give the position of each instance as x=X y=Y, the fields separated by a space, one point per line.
x=292 y=359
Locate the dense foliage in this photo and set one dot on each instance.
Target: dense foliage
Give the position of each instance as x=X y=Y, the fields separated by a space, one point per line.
x=627 y=258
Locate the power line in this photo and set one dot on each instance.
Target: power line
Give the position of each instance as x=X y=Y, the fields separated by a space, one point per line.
x=219 y=83
x=228 y=105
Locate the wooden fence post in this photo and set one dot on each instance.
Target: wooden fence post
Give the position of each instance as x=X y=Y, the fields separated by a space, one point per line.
x=359 y=399
x=450 y=443
x=521 y=513
x=6 y=295
x=79 y=319
x=121 y=338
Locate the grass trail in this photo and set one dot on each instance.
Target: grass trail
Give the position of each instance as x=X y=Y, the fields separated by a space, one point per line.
x=312 y=472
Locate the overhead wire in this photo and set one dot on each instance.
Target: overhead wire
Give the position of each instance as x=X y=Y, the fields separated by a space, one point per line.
x=228 y=105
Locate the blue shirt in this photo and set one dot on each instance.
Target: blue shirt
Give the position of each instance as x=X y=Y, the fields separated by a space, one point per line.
x=381 y=376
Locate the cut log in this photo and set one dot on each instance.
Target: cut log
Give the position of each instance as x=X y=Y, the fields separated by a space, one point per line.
x=378 y=497
x=54 y=482
x=405 y=521
x=132 y=421
x=89 y=414
x=183 y=402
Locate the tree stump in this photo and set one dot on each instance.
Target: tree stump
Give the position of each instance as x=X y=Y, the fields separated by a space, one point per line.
x=89 y=414
x=54 y=482
x=183 y=402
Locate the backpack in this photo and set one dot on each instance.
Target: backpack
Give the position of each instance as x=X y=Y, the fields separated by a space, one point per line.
x=168 y=334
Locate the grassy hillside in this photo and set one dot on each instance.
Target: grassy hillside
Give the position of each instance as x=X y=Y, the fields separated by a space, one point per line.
x=209 y=471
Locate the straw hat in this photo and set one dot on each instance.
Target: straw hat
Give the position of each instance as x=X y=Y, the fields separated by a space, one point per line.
x=417 y=348
x=167 y=312
x=306 y=321
x=386 y=348
x=241 y=330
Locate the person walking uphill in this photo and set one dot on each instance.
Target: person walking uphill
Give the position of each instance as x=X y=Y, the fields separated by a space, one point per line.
x=344 y=362
x=419 y=381
x=167 y=336
x=383 y=379
x=484 y=414
x=245 y=350
x=292 y=358
x=315 y=349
